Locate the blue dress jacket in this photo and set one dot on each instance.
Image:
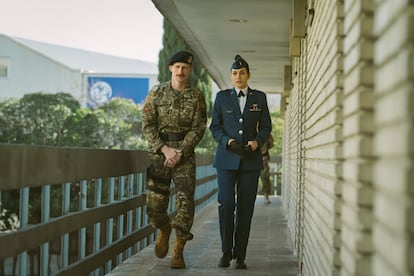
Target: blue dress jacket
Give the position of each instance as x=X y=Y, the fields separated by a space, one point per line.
x=228 y=121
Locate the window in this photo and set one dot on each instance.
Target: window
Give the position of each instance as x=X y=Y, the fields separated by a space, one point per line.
x=4 y=67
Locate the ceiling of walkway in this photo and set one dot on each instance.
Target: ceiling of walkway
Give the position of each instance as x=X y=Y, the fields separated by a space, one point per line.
x=217 y=30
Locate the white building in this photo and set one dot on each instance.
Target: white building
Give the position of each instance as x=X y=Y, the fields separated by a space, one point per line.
x=28 y=66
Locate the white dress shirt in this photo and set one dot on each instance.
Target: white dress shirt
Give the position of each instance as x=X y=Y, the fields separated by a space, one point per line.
x=242 y=100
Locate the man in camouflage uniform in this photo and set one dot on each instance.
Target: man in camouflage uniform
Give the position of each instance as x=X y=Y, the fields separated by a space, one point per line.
x=265 y=173
x=173 y=122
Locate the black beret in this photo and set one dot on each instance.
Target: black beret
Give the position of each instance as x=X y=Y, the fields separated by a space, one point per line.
x=239 y=63
x=181 y=56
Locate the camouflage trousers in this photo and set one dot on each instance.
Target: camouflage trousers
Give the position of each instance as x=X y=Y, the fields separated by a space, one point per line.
x=265 y=177
x=159 y=185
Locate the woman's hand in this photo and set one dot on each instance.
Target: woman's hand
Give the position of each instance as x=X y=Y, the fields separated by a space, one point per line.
x=253 y=144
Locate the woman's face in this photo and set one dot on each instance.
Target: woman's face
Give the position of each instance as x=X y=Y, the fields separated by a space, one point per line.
x=239 y=77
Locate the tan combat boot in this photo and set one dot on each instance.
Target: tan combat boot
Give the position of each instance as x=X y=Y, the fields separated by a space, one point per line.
x=162 y=243
x=177 y=260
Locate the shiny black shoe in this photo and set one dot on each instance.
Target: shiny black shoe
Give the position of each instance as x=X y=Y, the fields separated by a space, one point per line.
x=240 y=264
x=225 y=260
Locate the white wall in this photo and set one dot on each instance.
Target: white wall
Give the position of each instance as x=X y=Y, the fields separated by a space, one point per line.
x=31 y=72
x=393 y=218
x=348 y=154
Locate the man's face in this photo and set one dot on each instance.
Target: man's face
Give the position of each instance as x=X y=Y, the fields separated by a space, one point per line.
x=180 y=71
x=239 y=77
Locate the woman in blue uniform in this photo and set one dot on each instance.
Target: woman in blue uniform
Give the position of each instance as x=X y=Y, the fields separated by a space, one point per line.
x=240 y=124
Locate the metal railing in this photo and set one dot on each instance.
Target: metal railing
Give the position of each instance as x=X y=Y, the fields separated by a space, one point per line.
x=80 y=211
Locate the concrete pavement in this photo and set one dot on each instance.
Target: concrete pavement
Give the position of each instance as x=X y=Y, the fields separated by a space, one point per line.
x=269 y=251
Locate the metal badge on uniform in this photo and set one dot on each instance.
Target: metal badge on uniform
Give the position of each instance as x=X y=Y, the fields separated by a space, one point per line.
x=146 y=109
x=255 y=108
x=229 y=111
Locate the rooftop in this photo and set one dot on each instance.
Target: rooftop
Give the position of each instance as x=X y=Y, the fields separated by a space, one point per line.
x=88 y=61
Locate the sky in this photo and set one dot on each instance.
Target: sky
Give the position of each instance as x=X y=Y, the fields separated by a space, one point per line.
x=125 y=28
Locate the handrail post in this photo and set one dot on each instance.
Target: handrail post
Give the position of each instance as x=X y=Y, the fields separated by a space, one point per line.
x=44 y=249
x=82 y=232
x=129 y=213
x=97 y=226
x=65 y=238
x=24 y=221
x=110 y=222
x=120 y=222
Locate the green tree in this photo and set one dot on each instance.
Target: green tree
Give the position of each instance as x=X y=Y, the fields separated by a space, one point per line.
x=277 y=132
x=58 y=120
x=83 y=129
x=9 y=121
x=122 y=126
x=36 y=118
x=207 y=144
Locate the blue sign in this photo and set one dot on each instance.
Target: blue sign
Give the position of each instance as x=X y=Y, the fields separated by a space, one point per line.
x=102 y=89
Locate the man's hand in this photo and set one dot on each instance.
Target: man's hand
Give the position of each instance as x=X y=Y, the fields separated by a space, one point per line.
x=172 y=156
x=176 y=159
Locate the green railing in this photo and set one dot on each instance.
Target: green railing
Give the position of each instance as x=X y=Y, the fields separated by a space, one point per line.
x=79 y=211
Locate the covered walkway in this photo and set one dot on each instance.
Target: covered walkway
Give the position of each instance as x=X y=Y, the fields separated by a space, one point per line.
x=269 y=252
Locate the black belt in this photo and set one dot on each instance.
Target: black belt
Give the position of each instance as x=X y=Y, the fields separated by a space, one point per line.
x=172 y=136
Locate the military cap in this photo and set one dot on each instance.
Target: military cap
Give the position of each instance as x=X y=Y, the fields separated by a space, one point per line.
x=239 y=63
x=181 y=56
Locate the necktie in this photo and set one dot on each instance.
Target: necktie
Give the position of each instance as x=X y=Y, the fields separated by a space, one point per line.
x=242 y=101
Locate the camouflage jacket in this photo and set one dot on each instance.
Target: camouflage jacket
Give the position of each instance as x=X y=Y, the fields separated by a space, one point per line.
x=266 y=146
x=166 y=110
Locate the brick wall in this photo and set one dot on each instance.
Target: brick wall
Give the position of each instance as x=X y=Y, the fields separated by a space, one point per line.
x=357 y=189
x=291 y=175
x=349 y=140
x=323 y=145
x=393 y=227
